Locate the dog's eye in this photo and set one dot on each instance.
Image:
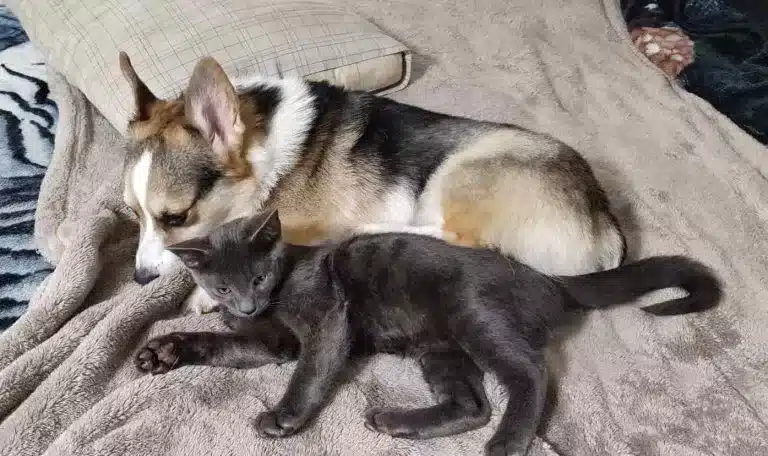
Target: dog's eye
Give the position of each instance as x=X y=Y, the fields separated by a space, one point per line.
x=174 y=219
x=223 y=291
x=256 y=281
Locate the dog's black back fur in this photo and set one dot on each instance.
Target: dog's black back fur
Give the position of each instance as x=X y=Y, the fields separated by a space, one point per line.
x=459 y=309
x=403 y=143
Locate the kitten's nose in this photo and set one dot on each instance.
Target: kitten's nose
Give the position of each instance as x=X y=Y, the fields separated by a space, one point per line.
x=144 y=276
x=247 y=307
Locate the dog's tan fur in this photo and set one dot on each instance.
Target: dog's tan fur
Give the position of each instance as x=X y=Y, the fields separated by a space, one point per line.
x=320 y=211
x=485 y=195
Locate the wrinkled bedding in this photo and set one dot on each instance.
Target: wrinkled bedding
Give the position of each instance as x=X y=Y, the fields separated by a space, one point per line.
x=682 y=177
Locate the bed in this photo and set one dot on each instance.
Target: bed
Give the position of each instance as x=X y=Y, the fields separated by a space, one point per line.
x=681 y=177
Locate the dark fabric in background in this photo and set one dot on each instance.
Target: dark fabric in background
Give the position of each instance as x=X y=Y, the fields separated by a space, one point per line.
x=731 y=66
x=11 y=32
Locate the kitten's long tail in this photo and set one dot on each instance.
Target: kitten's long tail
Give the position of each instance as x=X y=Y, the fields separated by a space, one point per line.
x=630 y=281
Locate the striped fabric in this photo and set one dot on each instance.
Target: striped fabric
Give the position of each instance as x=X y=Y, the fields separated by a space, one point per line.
x=27 y=125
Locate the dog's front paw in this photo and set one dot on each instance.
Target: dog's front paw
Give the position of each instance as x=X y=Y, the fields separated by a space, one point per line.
x=200 y=303
x=277 y=424
x=160 y=354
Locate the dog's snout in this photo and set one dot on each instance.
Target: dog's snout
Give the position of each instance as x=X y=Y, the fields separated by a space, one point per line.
x=143 y=276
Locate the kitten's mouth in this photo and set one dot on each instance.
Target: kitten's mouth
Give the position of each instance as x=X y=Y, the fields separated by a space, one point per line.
x=241 y=314
x=251 y=314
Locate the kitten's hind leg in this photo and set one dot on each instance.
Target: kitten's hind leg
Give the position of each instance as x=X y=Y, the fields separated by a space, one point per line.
x=520 y=368
x=457 y=384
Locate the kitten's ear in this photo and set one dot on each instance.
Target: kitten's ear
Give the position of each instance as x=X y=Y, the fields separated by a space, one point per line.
x=193 y=253
x=143 y=97
x=264 y=227
x=211 y=105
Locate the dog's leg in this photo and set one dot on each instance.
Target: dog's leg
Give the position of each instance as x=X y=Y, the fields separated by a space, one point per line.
x=551 y=215
x=457 y=385
x=199 y=302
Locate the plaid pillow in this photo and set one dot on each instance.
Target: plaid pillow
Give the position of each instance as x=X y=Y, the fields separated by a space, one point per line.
x=82 y=38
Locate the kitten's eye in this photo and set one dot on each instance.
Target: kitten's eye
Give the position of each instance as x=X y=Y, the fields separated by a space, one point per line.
x=223 y=291
x=174 y=220
x=259 y=278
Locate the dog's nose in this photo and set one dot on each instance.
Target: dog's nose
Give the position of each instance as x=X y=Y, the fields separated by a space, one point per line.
x=143 y=277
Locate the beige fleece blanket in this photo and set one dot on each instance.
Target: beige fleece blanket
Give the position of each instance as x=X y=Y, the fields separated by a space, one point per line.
x=682 y=177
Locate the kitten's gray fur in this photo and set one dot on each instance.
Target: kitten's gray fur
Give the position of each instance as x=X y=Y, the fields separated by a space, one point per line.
x=458 y=309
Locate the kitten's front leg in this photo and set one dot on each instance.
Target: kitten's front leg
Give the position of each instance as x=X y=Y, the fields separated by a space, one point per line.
x=173 y=350
x=323 y=357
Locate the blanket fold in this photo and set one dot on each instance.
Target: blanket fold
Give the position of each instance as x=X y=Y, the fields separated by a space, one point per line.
x=683 y=179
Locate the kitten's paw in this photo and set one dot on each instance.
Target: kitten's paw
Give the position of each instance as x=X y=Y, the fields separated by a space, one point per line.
x=389 y=421
x=275 y=423
x=160 y=354
x=505 y=447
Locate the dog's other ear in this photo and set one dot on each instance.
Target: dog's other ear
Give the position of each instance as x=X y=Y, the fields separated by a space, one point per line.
x=263 y=228
x=194 y=253
x=143 y=97
x=211 y=106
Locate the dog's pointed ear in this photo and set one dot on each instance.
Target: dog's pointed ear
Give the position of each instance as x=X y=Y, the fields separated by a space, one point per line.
x=194 y=253
x=211 y=106
x=143 y=97
x=263 y=228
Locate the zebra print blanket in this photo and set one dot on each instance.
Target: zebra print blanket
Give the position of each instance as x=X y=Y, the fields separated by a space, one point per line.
x=27 y=127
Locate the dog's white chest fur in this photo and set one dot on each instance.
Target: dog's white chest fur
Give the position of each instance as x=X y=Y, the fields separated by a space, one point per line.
x=400 y=211
x=398 y=207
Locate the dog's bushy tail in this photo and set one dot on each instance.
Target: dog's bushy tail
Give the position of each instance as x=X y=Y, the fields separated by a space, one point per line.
x=629 y=282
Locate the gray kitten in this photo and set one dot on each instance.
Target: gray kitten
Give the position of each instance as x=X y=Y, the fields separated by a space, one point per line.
x=460 y=310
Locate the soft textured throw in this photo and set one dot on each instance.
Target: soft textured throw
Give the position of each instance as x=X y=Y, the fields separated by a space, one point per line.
x=682 y=177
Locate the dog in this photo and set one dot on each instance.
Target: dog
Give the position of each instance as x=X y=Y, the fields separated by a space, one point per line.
x=338 y=162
